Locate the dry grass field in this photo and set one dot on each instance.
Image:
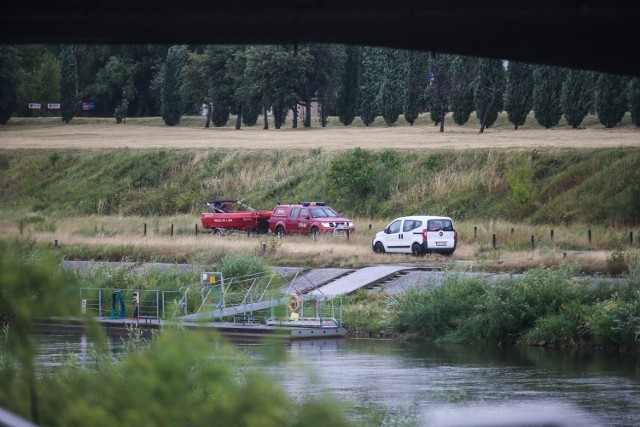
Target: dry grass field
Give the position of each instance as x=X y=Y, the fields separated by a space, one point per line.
x=151 y=133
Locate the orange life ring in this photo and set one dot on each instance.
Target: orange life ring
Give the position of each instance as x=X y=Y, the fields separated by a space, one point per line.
x=294 y=303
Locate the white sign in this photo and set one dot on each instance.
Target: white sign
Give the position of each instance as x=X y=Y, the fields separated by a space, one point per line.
x=34 y=106
x=53 y=106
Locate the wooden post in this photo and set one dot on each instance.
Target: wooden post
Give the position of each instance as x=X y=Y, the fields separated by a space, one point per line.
x=552 y=234
x=55 y=243
x=347 y=234
x=475 y=232
x=196 y=230
x=511 y=231
x=494 y=241
x=533 y=242
x=171 y=230
x=630 y=238
x=264 y=248
x=21 y=227
x=589 y=236
x=145 y=229
x=564 y=255
x=369 y=227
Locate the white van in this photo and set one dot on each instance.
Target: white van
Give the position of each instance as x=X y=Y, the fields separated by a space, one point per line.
x=417 y=235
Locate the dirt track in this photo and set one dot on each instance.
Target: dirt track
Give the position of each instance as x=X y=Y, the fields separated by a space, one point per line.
x=144 y=134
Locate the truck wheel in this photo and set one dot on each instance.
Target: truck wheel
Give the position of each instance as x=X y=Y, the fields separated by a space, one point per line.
x=379 y=248
x=280 y=231
x=416 y=249
x=314 y=232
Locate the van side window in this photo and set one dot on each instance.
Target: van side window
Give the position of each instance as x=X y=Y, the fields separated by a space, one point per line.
x=411 y=225
x=394 y=227
x=294 y=213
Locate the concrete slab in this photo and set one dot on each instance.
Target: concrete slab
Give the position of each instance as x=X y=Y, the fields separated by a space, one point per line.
x=357 y=279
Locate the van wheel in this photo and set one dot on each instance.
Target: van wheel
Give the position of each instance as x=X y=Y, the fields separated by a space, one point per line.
x=280 y=231
x=379 y=248
x=416 y=249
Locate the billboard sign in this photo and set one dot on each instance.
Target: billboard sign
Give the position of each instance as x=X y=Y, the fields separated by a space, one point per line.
x=53 y=106
x=34 y=106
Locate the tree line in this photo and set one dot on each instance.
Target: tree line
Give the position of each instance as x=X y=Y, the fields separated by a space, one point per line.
x=345 y=81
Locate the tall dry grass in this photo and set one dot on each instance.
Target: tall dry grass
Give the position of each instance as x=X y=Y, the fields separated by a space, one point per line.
x=122 y=237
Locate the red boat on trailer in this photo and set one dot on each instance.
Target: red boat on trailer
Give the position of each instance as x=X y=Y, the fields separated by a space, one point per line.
x=223 y=217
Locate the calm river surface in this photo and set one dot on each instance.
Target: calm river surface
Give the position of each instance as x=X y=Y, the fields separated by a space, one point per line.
x=427 y=381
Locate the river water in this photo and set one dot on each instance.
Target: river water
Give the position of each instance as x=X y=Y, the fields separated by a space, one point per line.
x=434 y=384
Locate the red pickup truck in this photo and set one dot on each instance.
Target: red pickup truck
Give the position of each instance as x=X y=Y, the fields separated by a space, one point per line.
x=308 y=218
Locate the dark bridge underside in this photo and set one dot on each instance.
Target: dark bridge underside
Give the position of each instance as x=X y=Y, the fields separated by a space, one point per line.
x=600 y=35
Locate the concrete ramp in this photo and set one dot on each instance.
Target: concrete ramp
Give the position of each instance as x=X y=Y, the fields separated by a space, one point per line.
x=352 y=282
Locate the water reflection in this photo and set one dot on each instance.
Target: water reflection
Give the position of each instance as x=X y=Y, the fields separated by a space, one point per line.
x=596 y=388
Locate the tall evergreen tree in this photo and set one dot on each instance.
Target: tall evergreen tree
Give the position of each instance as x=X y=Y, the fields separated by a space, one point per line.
x=548 y=82
x=349 y=94
x=9 y=79
x=68 y=82
x=519 y=92
x=576 y=96
x=463 y=71
x=372 y=66
x=611 y=99
x=489 y=86
x=416 y=84
x=392 y=89
x=633 y=96
x=440 y=87
x=171 y=100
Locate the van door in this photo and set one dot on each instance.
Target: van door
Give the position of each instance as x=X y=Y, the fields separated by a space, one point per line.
x=441 y=236
x=394 y=238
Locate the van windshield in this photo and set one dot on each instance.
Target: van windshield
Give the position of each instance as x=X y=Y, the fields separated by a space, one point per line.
x=323 y=213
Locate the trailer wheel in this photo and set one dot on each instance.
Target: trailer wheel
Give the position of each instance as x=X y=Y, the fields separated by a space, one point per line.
x=280 y=231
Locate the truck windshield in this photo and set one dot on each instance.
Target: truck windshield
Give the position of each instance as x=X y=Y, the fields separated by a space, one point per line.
x=323 y=213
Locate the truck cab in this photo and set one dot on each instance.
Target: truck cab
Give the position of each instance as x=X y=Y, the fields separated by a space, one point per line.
x=309 y=218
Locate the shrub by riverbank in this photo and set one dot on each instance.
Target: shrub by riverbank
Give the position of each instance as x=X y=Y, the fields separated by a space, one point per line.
x=544 y=307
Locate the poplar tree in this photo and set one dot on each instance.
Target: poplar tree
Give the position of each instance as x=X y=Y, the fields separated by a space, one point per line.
x=9 y=79
x=68 y=82
x=392 y=89
x=348 y=98
x=171 y=100
x=463 y=70
x=372 y=67
x=440 y=87
x=611 y=99
x=546 y=94
x=416 y=84
x=489 y=87
x=519 y=92
x=576 y=96
x=633 y=96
